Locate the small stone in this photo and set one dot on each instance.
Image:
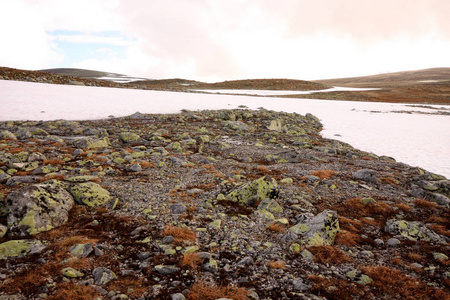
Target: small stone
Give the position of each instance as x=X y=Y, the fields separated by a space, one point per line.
x=178 y=296
x=393 y=242
x=165 y=269
x=440 y=256
x=299 y=285
x=136 y=168
x=178 y=208
x=366 y=175
x=245 y=261
x=103 y=275
x=81 y=250
x=71 y=273
x=215 y=224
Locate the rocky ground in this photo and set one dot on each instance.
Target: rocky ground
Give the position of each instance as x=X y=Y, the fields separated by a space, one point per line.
x=233 y=204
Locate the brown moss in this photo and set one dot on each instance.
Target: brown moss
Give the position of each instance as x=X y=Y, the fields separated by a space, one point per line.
x=277 y=264
x=180 y=234
x=333 y=288
x=347 y=238
x=404 y=207
x=392 y=283
x=423 y=203
x=53 y=162
x=329 y=255
x=203 y=291
x=276 y=227
x=74 y=291
x=132 y=286
x=191 y=260
x=324 y=174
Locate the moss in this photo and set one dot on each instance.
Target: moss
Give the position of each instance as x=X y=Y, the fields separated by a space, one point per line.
x=299 y=228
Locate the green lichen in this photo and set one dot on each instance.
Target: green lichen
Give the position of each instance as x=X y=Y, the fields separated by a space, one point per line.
x=90 y=194
x=250 y=193
x=17 y=248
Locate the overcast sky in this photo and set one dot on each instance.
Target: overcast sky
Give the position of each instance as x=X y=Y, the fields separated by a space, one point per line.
x=226 y=39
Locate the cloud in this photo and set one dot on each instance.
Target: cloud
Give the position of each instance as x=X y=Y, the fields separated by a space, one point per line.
x=24 y=43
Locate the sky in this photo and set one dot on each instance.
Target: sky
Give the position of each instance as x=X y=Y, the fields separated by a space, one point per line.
x=216 y=40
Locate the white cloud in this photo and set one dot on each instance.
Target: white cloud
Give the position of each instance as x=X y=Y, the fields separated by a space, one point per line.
x=24 y=43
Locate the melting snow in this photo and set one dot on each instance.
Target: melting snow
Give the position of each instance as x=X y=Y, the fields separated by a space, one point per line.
x=415 y=139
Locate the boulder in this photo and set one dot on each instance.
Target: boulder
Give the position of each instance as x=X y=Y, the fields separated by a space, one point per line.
x=366 y=175
x=318 y=230
x=129 y=137
x=413 y=231
x=90 y=194
x=103 y=275
x=5 y=134
x=38 y=208
x=92 y=142
x=18 y=248
x=250 y=193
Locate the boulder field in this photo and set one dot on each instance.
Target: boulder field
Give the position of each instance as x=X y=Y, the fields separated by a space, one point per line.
x=228 y=204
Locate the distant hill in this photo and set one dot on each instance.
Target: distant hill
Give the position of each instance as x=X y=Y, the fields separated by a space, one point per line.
x=91 y=74
x=263 y=84
x=393 y=79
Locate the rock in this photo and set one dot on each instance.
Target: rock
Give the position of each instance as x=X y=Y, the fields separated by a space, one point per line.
x=366 y=175
x=90 y=194
x=178 y=208
x=440 y=256
x=103 y=275
x=250 y=193
x=136 y=168
x=271 y=206
x=245 y=261
x=21 y=179
x=129 y=137
x=177 y=162
x=413 y=231
x=237 y=125
x=318 y=230
x=165 y=269
x=23 y=134
x=81 y=250
x=299 y=285
x=5 y=134
x=38 y=208
x=36 y=156
x=18 y=248
x=71 y=273
x=439 y=199
x=393 y=242
x=3 y=230
x=178 y=296
x=275 y=125
x=92 y=143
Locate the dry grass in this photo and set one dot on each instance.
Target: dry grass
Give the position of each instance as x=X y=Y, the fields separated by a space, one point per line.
x=404 y=207
x=132 y=286
x=277 y=264
x=180 y=234
x=324 y=174
x=191 y=259
x=276 y=227
x=53 y=162
x=74 y=291
x=347 y=238
x=52 y=176
x=202 y=291
x=388 y=180
x=354 y=208
x=329 y=255
x=333 y=288
x=441 y=229
x=146 y=164
x=392 y=283
x=423 y=203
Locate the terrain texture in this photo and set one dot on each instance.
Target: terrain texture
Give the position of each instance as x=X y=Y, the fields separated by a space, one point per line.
x=430 y=86
x=234 y=204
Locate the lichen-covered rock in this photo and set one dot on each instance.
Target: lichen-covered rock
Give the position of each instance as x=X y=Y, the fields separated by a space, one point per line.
x=103 y=275
x=318 y=230
x=5 y=134
x=38 y=208
x=250 y=193
x=413 y=231
x=129 y=137
x=90 y=194
x=271 y=206
x=18 y=248
x=92 y=142
x=81 y=250
x=71 y=273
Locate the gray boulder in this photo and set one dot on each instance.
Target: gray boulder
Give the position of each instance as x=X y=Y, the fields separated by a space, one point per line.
x=413 y=231
x=318 y=230
x=366 y=175
x=38 y=208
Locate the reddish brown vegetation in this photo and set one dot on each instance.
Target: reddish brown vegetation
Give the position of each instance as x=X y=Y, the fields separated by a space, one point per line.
x=202 y=291
x=333 y=288
x=392 y=283
x=324 y=174
x=276 y=227
x=329 y=255
x=191 y=259
x=74 y=291
x=180 y=234
x=277 y=264
x=423 y=203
